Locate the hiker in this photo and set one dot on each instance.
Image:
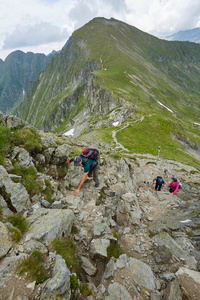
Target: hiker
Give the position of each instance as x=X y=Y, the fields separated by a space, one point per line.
x=91 y=168
x=174 y=185
x=159 y=182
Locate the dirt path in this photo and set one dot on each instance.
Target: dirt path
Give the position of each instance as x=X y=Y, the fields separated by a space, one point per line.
x=114 y=132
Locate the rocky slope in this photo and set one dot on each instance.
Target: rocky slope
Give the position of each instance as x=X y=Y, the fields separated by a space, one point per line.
x=131 y=241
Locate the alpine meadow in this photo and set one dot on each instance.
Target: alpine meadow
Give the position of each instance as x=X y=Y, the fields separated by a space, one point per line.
x=109 y=73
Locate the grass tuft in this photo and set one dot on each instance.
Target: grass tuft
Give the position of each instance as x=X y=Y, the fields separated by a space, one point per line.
x=19 y=222
x=67 y=249
x=33 y=266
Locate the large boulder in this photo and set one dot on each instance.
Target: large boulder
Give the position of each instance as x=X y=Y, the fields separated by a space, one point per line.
x=59 y=285
x=18 y=195
x=47 y=224
x=22 y=157
x=164 y=239
x=117 y=292
x=61 y=154
x=128 y=272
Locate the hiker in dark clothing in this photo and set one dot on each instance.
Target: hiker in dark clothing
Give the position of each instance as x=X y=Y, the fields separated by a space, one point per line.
x=91 y=169
x=159 y=182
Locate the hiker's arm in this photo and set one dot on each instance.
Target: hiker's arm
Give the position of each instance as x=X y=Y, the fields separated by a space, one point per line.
x=69 y=161
x=176 y=189
x=153 y=181
x=84 y=176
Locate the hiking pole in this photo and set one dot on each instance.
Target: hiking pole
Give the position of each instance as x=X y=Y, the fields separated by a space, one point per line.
x=158 y=151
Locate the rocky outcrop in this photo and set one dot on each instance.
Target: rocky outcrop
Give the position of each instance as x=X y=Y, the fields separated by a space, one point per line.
x=48 y=224
x=17 y=196
x=132 y=242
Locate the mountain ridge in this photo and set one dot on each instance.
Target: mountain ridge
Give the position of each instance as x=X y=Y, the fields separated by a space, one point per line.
x=108 y=69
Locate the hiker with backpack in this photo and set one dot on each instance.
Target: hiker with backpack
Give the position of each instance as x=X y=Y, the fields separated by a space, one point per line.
x=159 y=182
x=174 y=185
x=89 y=160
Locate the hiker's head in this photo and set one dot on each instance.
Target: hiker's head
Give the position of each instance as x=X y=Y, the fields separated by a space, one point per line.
x=77 y=160
x=174 y=178
x=84 y=149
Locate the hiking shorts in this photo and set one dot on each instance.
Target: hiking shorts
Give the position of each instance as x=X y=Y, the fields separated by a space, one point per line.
x=94 y=172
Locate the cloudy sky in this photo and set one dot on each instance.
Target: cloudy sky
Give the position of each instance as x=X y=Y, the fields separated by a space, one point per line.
x=41 y=26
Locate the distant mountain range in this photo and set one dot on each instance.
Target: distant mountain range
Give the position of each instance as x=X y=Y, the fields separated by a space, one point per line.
x=16 y=73
x=191 y=35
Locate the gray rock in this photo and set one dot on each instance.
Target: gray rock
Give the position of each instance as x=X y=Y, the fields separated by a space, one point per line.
x=31 y=245
x=5 y=243
x=165 y=239
x=142 y=274
x=167 y=276
x=162 y=254
x=173 y=291
x=7 y=269
x=87 y=266
x=99 y=247
x=46 y=224
x=48 y=142
x=12 y=121
x=57 y=205
x=40 y=158
x=59 y=285
x=129 y=197
x=19 y=196
x=101 y=228
x=48 y=153
x=22 y=157
x=117 y=292
x=45 y=203
x=189 y=280
x=61 y=154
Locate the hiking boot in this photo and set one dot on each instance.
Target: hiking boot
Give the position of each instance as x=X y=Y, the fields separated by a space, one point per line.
x=96 y=184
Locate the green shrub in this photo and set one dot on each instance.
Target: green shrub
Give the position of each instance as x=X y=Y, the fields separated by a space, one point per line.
x=85 y=290
x=67 y=249
x=74 y=282
x=5 y=133
x=33 y=266
x=19 y=222
x=74 y=229
x=151 y=162
x=48 y=191
x=27 y=138
x=29 y=176
x=15 y=234
x=114 y=250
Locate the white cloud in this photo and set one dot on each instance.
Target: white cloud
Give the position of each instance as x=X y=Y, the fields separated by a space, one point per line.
x=43 y=22
x=37 y=34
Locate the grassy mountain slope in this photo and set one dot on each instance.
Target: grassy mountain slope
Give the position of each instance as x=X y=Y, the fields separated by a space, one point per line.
x=141 y=70
x=15 y=73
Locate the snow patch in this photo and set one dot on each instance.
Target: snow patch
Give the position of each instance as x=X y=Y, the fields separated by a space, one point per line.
x=116 y=123
x=165 y=106
x=196 y=123
x=70 y=132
